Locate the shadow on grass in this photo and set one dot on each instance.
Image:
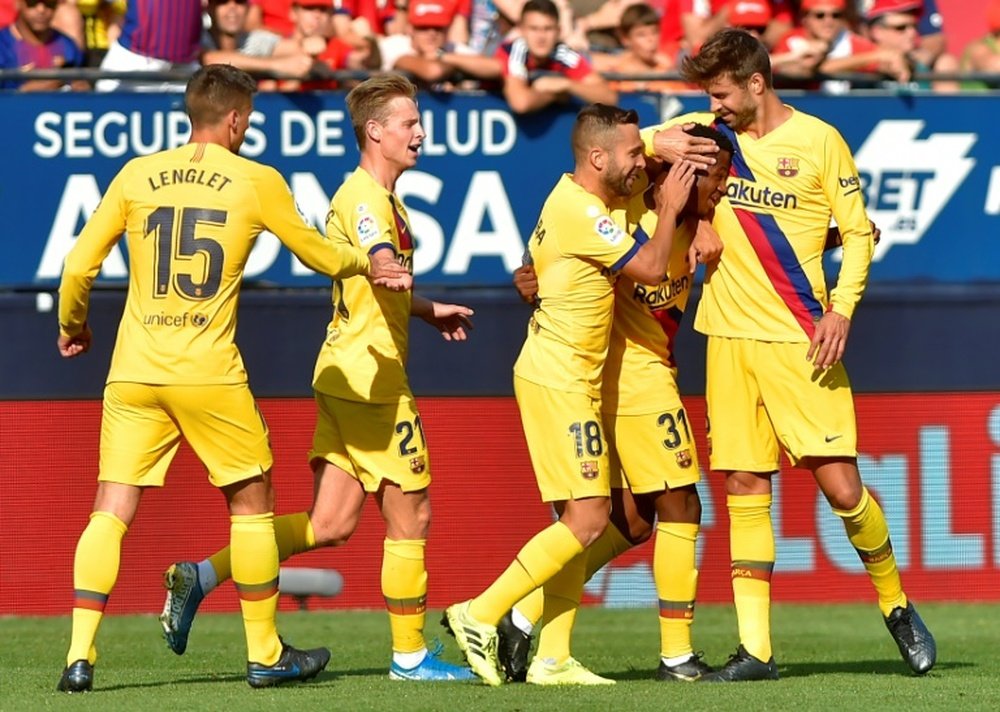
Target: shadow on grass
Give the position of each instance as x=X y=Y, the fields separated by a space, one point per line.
x=895 y=668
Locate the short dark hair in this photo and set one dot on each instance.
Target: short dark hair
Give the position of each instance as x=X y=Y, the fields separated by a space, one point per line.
x=706 y=131
x=544 y=7
x=731 y=52
x=215 y=90
x=595 y=126
x=638 y=15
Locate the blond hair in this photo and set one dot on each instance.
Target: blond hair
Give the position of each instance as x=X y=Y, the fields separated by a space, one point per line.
x=369 y=101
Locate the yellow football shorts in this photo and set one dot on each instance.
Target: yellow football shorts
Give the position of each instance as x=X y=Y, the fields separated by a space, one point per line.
x=142 y=426
x=372 y=441
x=565 y=440
x=763 y=396
x=652 y=452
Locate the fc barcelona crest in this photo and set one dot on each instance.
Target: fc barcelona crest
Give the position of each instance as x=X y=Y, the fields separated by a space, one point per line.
x=418 y=464
x=589 y=469
x=683 y=459
x=788 y=167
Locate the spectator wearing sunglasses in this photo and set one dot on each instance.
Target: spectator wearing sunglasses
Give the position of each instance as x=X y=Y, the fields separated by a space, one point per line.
x=893 y=25
x=31 y=42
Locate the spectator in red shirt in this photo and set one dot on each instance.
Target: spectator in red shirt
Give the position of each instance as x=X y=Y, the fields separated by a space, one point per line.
x=824 y=43
x=568 y=74
x=272 y=15
x=425 y=52
x=358 y=21
x=31 y=42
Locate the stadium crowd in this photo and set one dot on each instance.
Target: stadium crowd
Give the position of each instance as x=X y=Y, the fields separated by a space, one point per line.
x=536 y=51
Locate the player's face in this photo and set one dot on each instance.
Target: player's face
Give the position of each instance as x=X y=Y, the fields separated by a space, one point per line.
x=625 y=161
x=401 y=135
x=541 y=33
x=734 y=104
x=710 y=186
x=643 y=41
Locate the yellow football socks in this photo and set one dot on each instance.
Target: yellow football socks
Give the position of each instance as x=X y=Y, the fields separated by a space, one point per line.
x=293 y=533
x=751 y=548
x=255 y=574
x=676 y=577
x=608 y=546
x=95 y=570
x=868 y=532
x=404 y=586
x=562 y=600
x=538 y=561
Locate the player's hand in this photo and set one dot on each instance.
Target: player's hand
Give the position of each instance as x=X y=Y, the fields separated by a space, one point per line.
x=675 y=144
x=705 y=247
x=72 y=346
x=452 y=320
x=876 y=233
x=829 y=341
x=526 y=283
x=674 y=189
x=386 y=272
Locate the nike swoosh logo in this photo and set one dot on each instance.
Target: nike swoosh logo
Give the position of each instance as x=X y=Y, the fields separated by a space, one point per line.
x=831 y=438
x=280 y=672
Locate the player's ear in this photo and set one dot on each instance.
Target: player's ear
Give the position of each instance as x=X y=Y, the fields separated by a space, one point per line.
x=598 y=158
x=374 y=131
x=757 y=83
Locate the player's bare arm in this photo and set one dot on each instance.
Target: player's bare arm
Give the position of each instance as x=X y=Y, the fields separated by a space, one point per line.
x=452 y=320
x=675 y=144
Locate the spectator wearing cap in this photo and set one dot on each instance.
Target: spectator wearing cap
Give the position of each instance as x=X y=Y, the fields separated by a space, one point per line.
x=227 y=41
x=31 y=42
x=983 y=54
x=567 y=73
x=892 y=25
x=425 y=52
x=156 y=36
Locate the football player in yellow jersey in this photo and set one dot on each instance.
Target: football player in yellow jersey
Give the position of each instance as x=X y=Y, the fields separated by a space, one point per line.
x=577 y=249
x=775 y=340
x=190 y=217
x=654 y=464
x=369 y=438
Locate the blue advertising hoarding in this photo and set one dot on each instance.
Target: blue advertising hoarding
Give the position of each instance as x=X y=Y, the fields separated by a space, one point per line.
x=930 y=170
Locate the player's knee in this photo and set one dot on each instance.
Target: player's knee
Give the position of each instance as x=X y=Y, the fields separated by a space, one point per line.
x=332 y=533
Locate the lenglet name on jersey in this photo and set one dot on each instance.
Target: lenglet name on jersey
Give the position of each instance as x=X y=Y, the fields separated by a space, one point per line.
x=198 y=176
x=742 y=193
x=662 y=294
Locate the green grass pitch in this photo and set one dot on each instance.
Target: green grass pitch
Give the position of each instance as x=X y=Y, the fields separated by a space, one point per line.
x=836 y=657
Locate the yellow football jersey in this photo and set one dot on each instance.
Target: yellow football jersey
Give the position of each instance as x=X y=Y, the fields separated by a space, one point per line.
x=364 y=355
x=576 y=249
x=782 y=192
x=190 y=217
x=646 y=319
